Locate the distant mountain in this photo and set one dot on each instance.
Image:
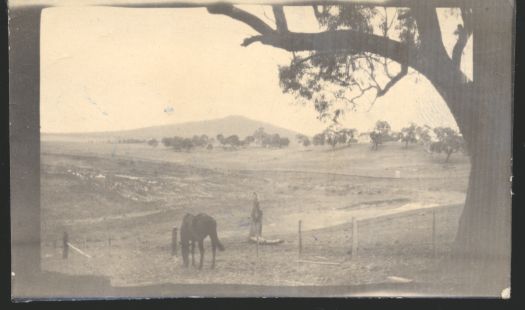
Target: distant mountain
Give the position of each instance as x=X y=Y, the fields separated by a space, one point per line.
x=230 y=125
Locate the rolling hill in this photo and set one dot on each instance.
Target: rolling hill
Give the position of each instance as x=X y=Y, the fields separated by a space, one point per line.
x=229 y=125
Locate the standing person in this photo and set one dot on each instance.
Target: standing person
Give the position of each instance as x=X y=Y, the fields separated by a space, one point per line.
x=256 y=216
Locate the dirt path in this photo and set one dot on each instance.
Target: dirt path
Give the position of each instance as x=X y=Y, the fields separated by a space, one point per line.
x=369 y=176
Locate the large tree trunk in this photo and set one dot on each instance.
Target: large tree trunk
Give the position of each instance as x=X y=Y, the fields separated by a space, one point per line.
x=483 y=239
x=482 y=110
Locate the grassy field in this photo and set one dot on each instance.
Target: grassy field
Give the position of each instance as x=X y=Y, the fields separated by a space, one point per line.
x=119 y=202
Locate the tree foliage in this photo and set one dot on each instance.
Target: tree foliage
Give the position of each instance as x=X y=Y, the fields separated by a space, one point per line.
x=408 y=134
x=232 y=141
x=448 y=142
x=318 y=139
x=259 y=135
x=340 y=80
x=185 y=144
x=131 y=141
x=363 y=51
x=380 y=133
x=220 y=138
x=303 y=140
x=248 y=140
x=178 y=143
x=334 y=135
x=275 y=141
x=153 y=142
x=264 y=139
x=423 y=134
x=200 y=141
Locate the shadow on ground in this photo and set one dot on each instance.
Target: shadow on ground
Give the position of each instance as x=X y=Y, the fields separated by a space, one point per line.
x=56 y=286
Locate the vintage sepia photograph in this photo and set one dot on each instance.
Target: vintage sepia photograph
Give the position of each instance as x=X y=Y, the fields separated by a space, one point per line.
x=261 y=148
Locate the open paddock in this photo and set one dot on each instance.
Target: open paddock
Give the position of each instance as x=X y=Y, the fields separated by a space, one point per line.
x=120 y=205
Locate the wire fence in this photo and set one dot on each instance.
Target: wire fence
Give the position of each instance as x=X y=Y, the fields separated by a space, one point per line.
x=425 y=233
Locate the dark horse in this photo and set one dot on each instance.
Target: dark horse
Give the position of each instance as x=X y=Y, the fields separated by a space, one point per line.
x=195 y=228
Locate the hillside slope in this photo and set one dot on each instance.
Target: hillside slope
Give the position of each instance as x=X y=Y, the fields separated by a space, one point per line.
x=229 y=125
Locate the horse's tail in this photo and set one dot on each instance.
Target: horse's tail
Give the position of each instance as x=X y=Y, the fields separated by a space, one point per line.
x=215 y=239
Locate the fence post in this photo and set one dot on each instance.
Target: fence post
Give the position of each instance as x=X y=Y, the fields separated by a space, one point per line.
x=257 y=247
x=109 y=241
x=355 y=238
x=300 y=239
x=65 y=246
x=434 y=233
x=174 y=241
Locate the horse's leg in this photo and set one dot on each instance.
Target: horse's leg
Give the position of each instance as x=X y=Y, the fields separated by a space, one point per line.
x=193 y=253
x=213 y=249
x=201 y=250
x=185 y=253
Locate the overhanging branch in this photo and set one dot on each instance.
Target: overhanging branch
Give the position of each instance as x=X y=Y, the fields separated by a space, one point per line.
x=249 y=19
x=424 y=58
x=280 y=19
x=334 y=41
x=328 y=41
x=206 y=3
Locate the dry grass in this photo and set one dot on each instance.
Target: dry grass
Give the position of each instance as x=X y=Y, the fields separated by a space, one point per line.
x=157 y=186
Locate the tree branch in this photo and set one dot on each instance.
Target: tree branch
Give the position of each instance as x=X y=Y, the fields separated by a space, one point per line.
x=352 y=100
x=206 y=3
x=386 y=25
x=251 y=40
x=280 y=18
x=333 y=41
x=349 y=41
x=429 y=31
x=466 y=15
x=249 y=19
x=381 y=91
x=464 y=32
x=457 y=51
x=429 y=57
x=317 y=12
x=448 y=76
x=328 y=41
x=393 y=81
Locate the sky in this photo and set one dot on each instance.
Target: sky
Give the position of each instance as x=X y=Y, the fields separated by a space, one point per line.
x=106 y=69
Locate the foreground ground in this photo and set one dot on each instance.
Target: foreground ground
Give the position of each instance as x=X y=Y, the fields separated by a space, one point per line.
x=119 y=203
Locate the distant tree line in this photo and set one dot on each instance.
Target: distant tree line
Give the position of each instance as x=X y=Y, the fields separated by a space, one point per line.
x=331 y=136
x=259 y=137
x=131 y=141
x=382 y=133
x=435 y=140
x=186 y=144
x=439 y=140
x=151 y=142
x=264 y=139
x=448 y=142
x=232 y=141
